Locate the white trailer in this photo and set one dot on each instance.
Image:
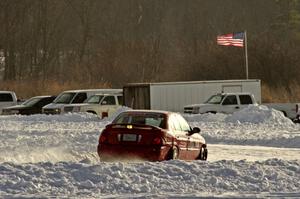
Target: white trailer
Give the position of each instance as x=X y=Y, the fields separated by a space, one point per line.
x=173 y=96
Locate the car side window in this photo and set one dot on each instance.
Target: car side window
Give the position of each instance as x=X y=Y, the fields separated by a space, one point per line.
x=45 y=101
x=183 y=124
x=230 y=100
x=109 y=100
x=245 y=99
x=6 y=97
x=170 y=124
x=174 y=123
x=79 y=98
x=40 y=103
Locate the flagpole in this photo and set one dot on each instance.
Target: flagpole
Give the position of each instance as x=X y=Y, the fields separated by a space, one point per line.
x=246 y=55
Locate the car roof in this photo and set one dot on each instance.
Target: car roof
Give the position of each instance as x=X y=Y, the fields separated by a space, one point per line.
x=7 y=92
x=149 y=111
x=93 y=90
x=108 y=94
x=236 y=93
x=43 y=96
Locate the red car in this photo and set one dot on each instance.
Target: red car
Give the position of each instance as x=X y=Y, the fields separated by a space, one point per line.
x=151 y=135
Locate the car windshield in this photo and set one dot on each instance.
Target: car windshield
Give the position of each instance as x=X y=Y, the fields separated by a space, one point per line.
x=215 y=99
x=31 y=101
x=95 y=99
x=64 y=98
x=152 y=119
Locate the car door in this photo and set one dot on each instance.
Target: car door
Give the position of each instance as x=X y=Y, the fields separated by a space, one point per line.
x=230 y=104
x=180 y=136
x=245 y=100
x=43 y=102
x=36 y=108
x=193 y=144
x=109 y=105
x=79 y=98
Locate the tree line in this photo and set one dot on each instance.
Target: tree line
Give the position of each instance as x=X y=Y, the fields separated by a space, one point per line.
x=121 y=41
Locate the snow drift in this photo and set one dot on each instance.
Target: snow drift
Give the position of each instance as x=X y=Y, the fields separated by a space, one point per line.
x=55 y=156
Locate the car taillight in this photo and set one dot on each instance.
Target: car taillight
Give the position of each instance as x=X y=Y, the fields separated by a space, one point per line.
x=157 y=141
x=103 y=139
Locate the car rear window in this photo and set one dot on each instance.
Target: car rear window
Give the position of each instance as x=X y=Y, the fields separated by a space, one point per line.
x=152 y=119
x=6 y=97
x=245 y=99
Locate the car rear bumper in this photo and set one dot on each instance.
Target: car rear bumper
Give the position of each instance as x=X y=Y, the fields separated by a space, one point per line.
x=108 y=152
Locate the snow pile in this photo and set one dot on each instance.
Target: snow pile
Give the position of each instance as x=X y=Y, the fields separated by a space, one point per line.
x=252 y=114
x=259 y=114
x=37 y=118
x=207 y=117
x=169 y=179
x=46 y=156
x=49 y=137
x=254 y=125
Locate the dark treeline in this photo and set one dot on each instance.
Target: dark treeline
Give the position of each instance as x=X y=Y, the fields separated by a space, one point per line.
x=122 y=41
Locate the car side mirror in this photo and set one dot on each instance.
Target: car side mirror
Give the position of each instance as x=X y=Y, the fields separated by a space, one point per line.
x=104 y=102
x=196 y=130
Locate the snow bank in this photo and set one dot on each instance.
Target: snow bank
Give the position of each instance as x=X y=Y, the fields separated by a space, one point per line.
x=254 y=125
x=259 y=114
x=55 y=156
x=69 y=117
x=150 y=179
x=39 y=138
x=254 y=114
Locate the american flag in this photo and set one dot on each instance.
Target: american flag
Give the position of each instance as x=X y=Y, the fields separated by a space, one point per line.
x=232 y=39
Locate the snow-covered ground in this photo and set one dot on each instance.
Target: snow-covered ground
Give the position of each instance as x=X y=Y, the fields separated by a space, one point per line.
x=253 y=153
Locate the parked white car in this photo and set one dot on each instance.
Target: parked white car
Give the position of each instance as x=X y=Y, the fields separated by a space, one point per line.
x=7 y=98
x=73 y=97
x=103 y=105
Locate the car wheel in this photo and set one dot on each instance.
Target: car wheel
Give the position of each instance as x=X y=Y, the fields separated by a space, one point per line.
x=203 y=153
x=173 y=154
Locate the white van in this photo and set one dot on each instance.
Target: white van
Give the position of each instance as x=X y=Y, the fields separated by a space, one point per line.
x=73 y=97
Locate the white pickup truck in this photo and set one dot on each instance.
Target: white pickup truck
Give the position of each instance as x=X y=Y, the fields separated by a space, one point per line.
x=103 y=105
x=72 y=97
x=7 y=98
x=231 y=102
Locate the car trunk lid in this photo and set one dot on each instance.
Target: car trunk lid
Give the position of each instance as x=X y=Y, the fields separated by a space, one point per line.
x=133 y=134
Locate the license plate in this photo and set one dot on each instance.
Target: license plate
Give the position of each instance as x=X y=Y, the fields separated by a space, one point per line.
x=129 y=137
